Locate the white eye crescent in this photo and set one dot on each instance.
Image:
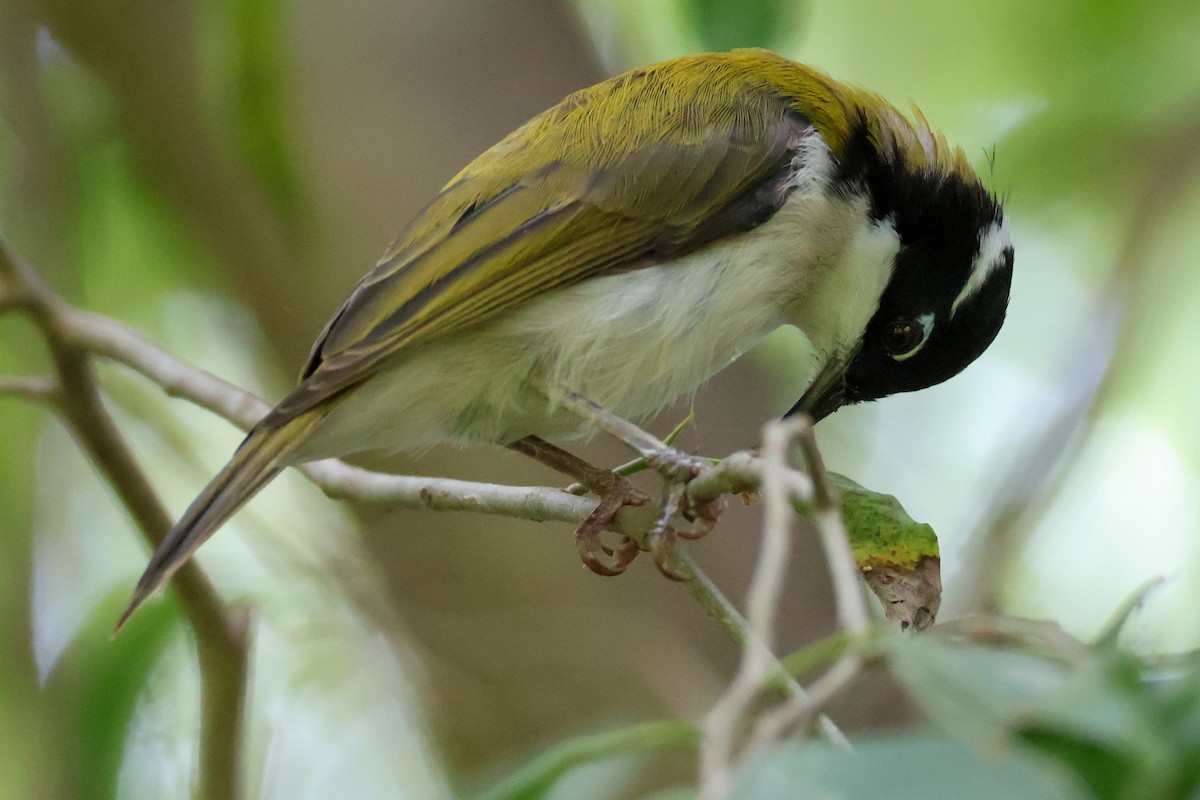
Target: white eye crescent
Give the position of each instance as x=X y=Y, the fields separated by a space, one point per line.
x=904 y=338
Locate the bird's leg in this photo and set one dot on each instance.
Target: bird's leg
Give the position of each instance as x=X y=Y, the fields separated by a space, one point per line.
x=614 y=491
x=663 y=536
x=676 y=468
x=674 y=465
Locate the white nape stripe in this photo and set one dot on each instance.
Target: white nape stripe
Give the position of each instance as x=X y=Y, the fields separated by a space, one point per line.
x=992 y=245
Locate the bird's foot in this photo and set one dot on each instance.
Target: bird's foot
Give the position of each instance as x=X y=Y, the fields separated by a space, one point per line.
x=663 y=538
x=678 y=469
x=615 y=492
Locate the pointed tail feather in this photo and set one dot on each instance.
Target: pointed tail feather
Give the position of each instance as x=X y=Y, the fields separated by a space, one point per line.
x=257 y=461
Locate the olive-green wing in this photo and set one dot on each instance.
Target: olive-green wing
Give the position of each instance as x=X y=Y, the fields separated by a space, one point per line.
x=617 y=177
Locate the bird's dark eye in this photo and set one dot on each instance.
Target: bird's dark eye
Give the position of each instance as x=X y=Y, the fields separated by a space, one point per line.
x=903 y=337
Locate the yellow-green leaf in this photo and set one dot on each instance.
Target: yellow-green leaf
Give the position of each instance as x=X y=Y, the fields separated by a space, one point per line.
x=898 y=557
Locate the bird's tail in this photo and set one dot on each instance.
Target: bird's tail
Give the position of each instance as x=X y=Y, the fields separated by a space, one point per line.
x=257 y=461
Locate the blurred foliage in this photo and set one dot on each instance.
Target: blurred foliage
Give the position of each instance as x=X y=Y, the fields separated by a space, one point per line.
x=1045 y=718
x=1126 y=728
x=254 y=36
x=157 y=153
x=753 y=23
x=95 y=686
x=537 y=778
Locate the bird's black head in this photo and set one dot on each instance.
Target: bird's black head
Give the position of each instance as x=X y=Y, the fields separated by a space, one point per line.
x=949 y=288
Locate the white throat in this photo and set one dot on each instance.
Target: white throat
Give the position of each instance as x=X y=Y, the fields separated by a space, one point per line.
x=845 y=294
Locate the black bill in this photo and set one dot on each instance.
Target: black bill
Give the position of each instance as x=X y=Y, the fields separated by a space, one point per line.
x=826 y=394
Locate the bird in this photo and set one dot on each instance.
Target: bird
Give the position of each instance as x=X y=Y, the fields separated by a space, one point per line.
x=626 y=244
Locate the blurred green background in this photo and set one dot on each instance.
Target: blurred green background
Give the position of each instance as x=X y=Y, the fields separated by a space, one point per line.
x=218 y=174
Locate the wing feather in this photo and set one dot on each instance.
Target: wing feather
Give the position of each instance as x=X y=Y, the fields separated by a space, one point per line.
x=518 y=223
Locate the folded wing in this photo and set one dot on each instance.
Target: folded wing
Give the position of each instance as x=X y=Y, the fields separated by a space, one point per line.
x=614 y=178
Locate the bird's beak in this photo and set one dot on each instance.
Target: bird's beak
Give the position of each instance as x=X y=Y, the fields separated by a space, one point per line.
x=826 y=394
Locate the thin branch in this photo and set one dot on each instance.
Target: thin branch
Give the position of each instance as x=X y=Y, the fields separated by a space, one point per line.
x=851 y=606
x=843 y=570
x=717 y=605
x=712 y=600
x=741 y=473
x=34 y=389
x=220 y=640
x=778 y=722
x=723 y=720
x=535 y=503
x=114 y=341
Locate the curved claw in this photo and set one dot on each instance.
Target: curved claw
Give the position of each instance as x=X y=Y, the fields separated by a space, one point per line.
x=704 y=516
x=662 y=537
x=662 y=547
x=617 y=494
x=590 y=549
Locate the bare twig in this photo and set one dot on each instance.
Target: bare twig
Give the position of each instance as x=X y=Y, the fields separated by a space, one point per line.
x=843 y=570
x=114 y=341
x=713 y=601
x=674 y=466
x=638 y=464
x=723 y=720
x=781 y=488
x=780 y=721
x=34 y=389
x=851 y=606
x=535 y=503
x=220 y=640
x=717 y=605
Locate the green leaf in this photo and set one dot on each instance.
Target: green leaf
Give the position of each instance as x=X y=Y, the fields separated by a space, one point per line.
x=913 y=767
x=96 y=683
x=898 y=557
x=881 y=531
x=985 y=694
x=1106 y=772
x=537 y=777
x=248 y=68
x=1093 y=713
